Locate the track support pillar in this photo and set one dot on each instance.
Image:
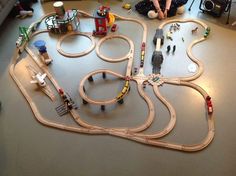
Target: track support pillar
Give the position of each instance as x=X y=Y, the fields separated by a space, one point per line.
x=103 y=107
x=90 y=79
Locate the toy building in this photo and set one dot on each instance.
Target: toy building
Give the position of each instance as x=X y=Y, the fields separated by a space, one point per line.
x=41 y=46
x=63 y=21
x=102 y=19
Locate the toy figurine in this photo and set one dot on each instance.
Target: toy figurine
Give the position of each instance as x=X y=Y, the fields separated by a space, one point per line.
x=168 y=49
x=174 y=48
x=194 y=30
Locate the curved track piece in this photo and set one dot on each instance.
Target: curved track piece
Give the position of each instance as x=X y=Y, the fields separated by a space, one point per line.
x=59 y=49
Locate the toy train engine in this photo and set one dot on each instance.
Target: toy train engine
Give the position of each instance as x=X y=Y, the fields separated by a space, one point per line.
x=20 y=40
x=209 y=105
x=142 y=54
x=124 y=91
x=24 y=35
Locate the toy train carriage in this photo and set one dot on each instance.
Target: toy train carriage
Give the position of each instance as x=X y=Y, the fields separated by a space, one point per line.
x=142 y=54
x=209 y=105
x=25 y=33
x=20 y=40
x=207 y=32
x=124 y=91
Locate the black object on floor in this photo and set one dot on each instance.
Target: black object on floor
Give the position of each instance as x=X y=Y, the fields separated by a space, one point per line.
x=121 y=101
x=104 y=75
x=168 y=49
x=85 y=102
x=90 y=79
x=174 y=48
x=215 y=7
x=103 y=107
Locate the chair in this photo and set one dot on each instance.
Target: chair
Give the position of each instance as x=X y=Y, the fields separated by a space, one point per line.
x=228 y=8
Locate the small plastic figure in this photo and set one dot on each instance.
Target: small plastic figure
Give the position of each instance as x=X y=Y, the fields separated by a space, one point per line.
x=168 y=49
x=194 y=30
x=174 y=48
x=135 y=70
x=168 y=36
x=174 y=27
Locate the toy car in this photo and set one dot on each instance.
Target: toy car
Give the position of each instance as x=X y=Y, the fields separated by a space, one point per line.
x=114 y=28
x=127 y=6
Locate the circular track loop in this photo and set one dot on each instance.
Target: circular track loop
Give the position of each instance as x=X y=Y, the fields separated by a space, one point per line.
x=127 y=56
x=88 y=35
x=98 y=102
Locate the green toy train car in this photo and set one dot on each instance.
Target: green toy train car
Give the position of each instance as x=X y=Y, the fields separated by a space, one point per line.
x=207 y=32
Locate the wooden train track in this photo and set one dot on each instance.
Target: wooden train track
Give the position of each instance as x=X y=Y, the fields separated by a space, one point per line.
x=62 y=52
x=132 y=133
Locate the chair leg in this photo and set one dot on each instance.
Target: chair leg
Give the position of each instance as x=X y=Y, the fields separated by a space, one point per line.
x=200 y=6
x=189 y=9
x=230 y=3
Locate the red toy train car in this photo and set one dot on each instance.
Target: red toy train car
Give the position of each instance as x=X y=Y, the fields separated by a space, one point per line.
x=209 y=105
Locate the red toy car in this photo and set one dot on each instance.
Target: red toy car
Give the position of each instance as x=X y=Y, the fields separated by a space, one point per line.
x=114 y=28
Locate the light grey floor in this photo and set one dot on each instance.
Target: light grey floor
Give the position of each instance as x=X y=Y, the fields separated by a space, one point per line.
x=29 y=148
